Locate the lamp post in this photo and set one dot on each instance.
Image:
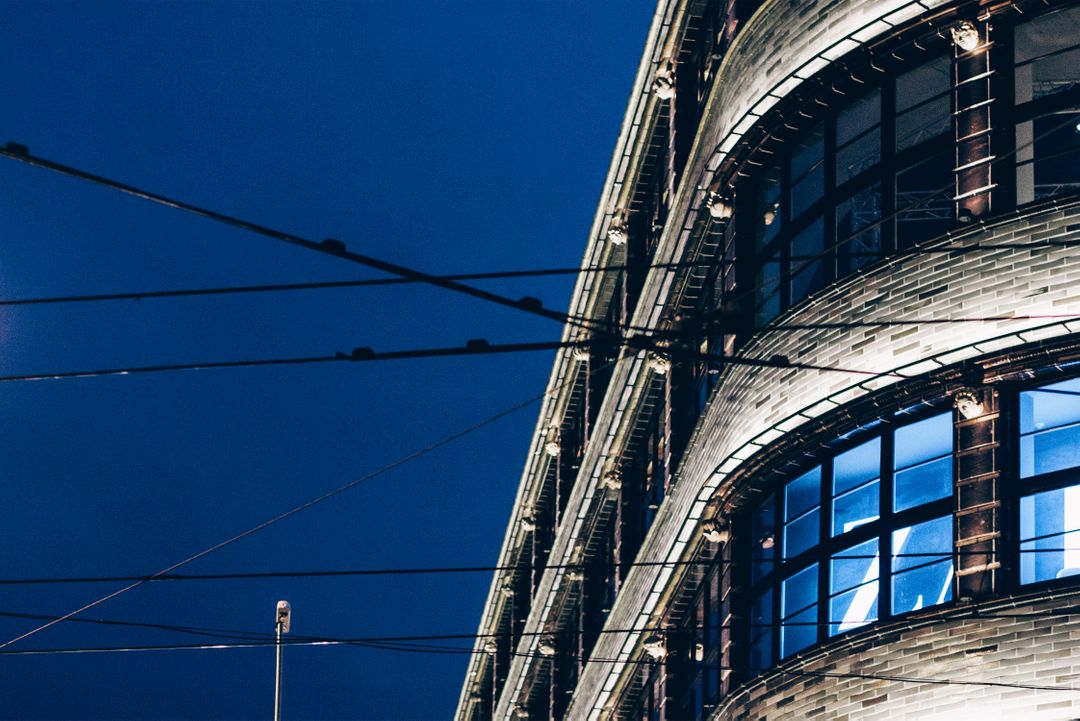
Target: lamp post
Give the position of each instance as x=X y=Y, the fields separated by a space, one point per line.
x=284 y=617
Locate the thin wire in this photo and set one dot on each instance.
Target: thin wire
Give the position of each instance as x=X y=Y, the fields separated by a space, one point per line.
x=442 y=570
x=376 y=643
x=282 y=516
x=479 y=347
x=336 y=248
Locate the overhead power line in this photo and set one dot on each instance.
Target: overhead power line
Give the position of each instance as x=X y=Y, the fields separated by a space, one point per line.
x=329 y=246
x=282 y=516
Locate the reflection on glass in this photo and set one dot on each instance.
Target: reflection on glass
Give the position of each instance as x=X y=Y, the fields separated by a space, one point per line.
x=1048 y=156
x=923 y=102
x=853 y=587
x=858 y=117
x=807 y=268
x=922 y=565
x=1050 y=535
x=763 y=538
x=1050 y=428
x=924 y=204
x=1047 y=58
x=798 y=610
x=808 y=171
x=922 y=462
x=858 y=247
x=802 y=498
x=855 y=486
x=767 y=291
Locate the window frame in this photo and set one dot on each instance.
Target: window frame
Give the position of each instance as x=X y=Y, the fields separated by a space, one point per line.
x=828 y=546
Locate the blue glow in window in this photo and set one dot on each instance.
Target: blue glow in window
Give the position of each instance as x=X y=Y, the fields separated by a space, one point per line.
x=856 y=487
x=1050 y=428
x=798 y=601
x=802 y=500
x=1050 y=535
x=853 y=587
x=763 y=550
x=922 y=565
x=922 y=462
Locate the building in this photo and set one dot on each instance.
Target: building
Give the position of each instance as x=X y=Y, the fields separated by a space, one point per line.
x=818 y=455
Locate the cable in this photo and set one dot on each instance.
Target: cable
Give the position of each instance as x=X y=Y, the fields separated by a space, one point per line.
x=383 y=644
x=473 y=347
x=324 y=285
x=287 y=514
x=442 y=570
x=330 y=246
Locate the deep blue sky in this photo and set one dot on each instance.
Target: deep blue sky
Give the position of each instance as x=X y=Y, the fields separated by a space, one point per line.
x=451 y=136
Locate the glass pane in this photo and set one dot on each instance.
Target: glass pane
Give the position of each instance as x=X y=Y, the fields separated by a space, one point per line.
x=1056 y=168
x=923 y=483
x=798 y=608
x=857 y=466
x=761 y=620
x=1056 y=515
x=923 y=122
x=1050 y=428
x=801 y=534
x=860 y=155
x=924 y=202
x=1051 y=406
x=807 y=272
x=923 y=83
x=763 y=553
x=853 y=585
x=807 y=171
x=854 y=566
x=923 y=543
x=1045 y=64
x=799 y=591
x=858 y=117
x=767 y=206
x=799 y=631
x=855 y=508
x=767 y=292
x=918 y=442
x=802 y=494
x=852 y=215
x=922 y=587
x=808 y=153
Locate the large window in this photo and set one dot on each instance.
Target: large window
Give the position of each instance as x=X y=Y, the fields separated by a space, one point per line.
x=874 y=511
x=1047 y=82
x=816 y=210
x=1049 y=456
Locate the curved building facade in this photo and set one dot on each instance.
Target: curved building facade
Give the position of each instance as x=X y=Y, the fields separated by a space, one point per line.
x=817 y=453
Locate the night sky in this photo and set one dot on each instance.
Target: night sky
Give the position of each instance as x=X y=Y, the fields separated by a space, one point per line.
x=454 y=137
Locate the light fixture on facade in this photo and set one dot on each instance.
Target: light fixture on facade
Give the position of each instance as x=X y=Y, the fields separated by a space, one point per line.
x=769 y=217
x=546 y=648
x=969 y=402
x=654 y=647
x=581 y=351
x=768 y=542
x=659 y=363
x=508 y=588
x=965 y=35
x=714 y=531
x=551 y=446
x=617 y=232
x=719 y=206
x=528 y=522
x=699 y=652
x=664 y=82
x=491 y=648
x=611 y=480
x=575 y=575
x=520 y=711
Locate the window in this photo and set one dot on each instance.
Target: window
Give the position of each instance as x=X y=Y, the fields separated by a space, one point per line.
x=1049 y=430
x=873 y=510
x=1047 y=75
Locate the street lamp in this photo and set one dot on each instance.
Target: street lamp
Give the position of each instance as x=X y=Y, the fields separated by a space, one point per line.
x=284 y=619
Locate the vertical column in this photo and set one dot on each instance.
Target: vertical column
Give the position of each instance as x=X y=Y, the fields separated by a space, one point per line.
x=978 y=498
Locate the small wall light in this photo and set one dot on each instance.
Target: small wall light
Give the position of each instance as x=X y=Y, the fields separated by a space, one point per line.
x=969 y=402
x=965 y=35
